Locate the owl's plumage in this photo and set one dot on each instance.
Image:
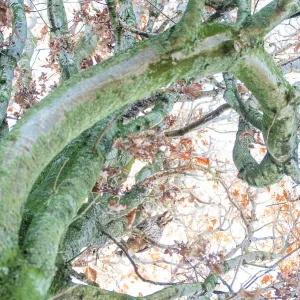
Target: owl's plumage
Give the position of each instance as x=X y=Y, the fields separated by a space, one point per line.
x=151 y=228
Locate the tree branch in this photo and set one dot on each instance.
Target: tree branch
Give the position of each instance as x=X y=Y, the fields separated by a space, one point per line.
x=269 y=17
x=202 y=121
x=10 y=56
x=72 y=108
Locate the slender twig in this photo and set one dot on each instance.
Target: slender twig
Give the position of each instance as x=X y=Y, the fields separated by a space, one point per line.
x=255 y=6
x=255 y=277
x=58 y=175
x=86 y=209
x=160 y=11
x=133 y=263
x=289 y=61
x=112 y=121
x=267 y=138
x=208 y=117
x=77 y=255
x=136 y=31
x=39 y=13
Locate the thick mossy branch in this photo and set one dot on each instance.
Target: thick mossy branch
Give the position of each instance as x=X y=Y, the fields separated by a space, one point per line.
x=88 y=97
x=277 y=99
x=46 y=228
x=259 y=175
x=59 y=36
x=11 y=55
x=108 y=210
x=128 y=17
x=187 y=49
x=244 y=11
x=163 y=105
x=114 y=20
x=24 y=62
x=269 y=17
x=244 y=109
x=187 y=29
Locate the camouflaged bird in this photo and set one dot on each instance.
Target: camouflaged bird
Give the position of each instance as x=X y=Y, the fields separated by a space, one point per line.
x=151 y=228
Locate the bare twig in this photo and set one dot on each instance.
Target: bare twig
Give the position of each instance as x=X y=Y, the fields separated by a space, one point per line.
x=58 y=175
x=112 y=121
x=136 y=31
x=133 y=263
x=160 y=11
x=208 y=117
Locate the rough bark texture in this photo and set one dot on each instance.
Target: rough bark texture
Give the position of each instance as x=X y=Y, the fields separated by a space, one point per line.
x=58 y=149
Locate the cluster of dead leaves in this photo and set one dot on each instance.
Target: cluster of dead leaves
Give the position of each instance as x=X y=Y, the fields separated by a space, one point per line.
x=192 y=90
x=181 y=149
x=168 y=194
x=58 y=44
x=144 y=147
x=99 y=19
x=26 y=97
x=88 y=62
x=109 y=182
x=5 y=14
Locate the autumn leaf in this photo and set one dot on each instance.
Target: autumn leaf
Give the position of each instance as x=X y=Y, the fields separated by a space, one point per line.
x=44 y=32
x=235 y=193
x=210 y=228
x=266 y=279
x=203 y=161
x=155 y=256
x=216 y=269
x=245 y=200
x=209 y=9
x=214 y=221
x=218 y=235
x=193 y=90
x=285 y=195
x=262 y=150
x=131 y=217
x=241 y=88
x=184 y=156
x=5 y=14
x=268 y=295
x=249 y=295
x=90 y=273
x=289 y=249
x=286 y=206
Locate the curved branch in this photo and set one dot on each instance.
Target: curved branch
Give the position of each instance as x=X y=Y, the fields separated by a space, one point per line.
x=259 y=175
x=231 y=95
x=203 y=120
x=90 y=96
x=278 y=100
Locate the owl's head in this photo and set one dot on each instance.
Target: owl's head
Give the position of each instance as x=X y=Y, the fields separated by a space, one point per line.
x=164 y=218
